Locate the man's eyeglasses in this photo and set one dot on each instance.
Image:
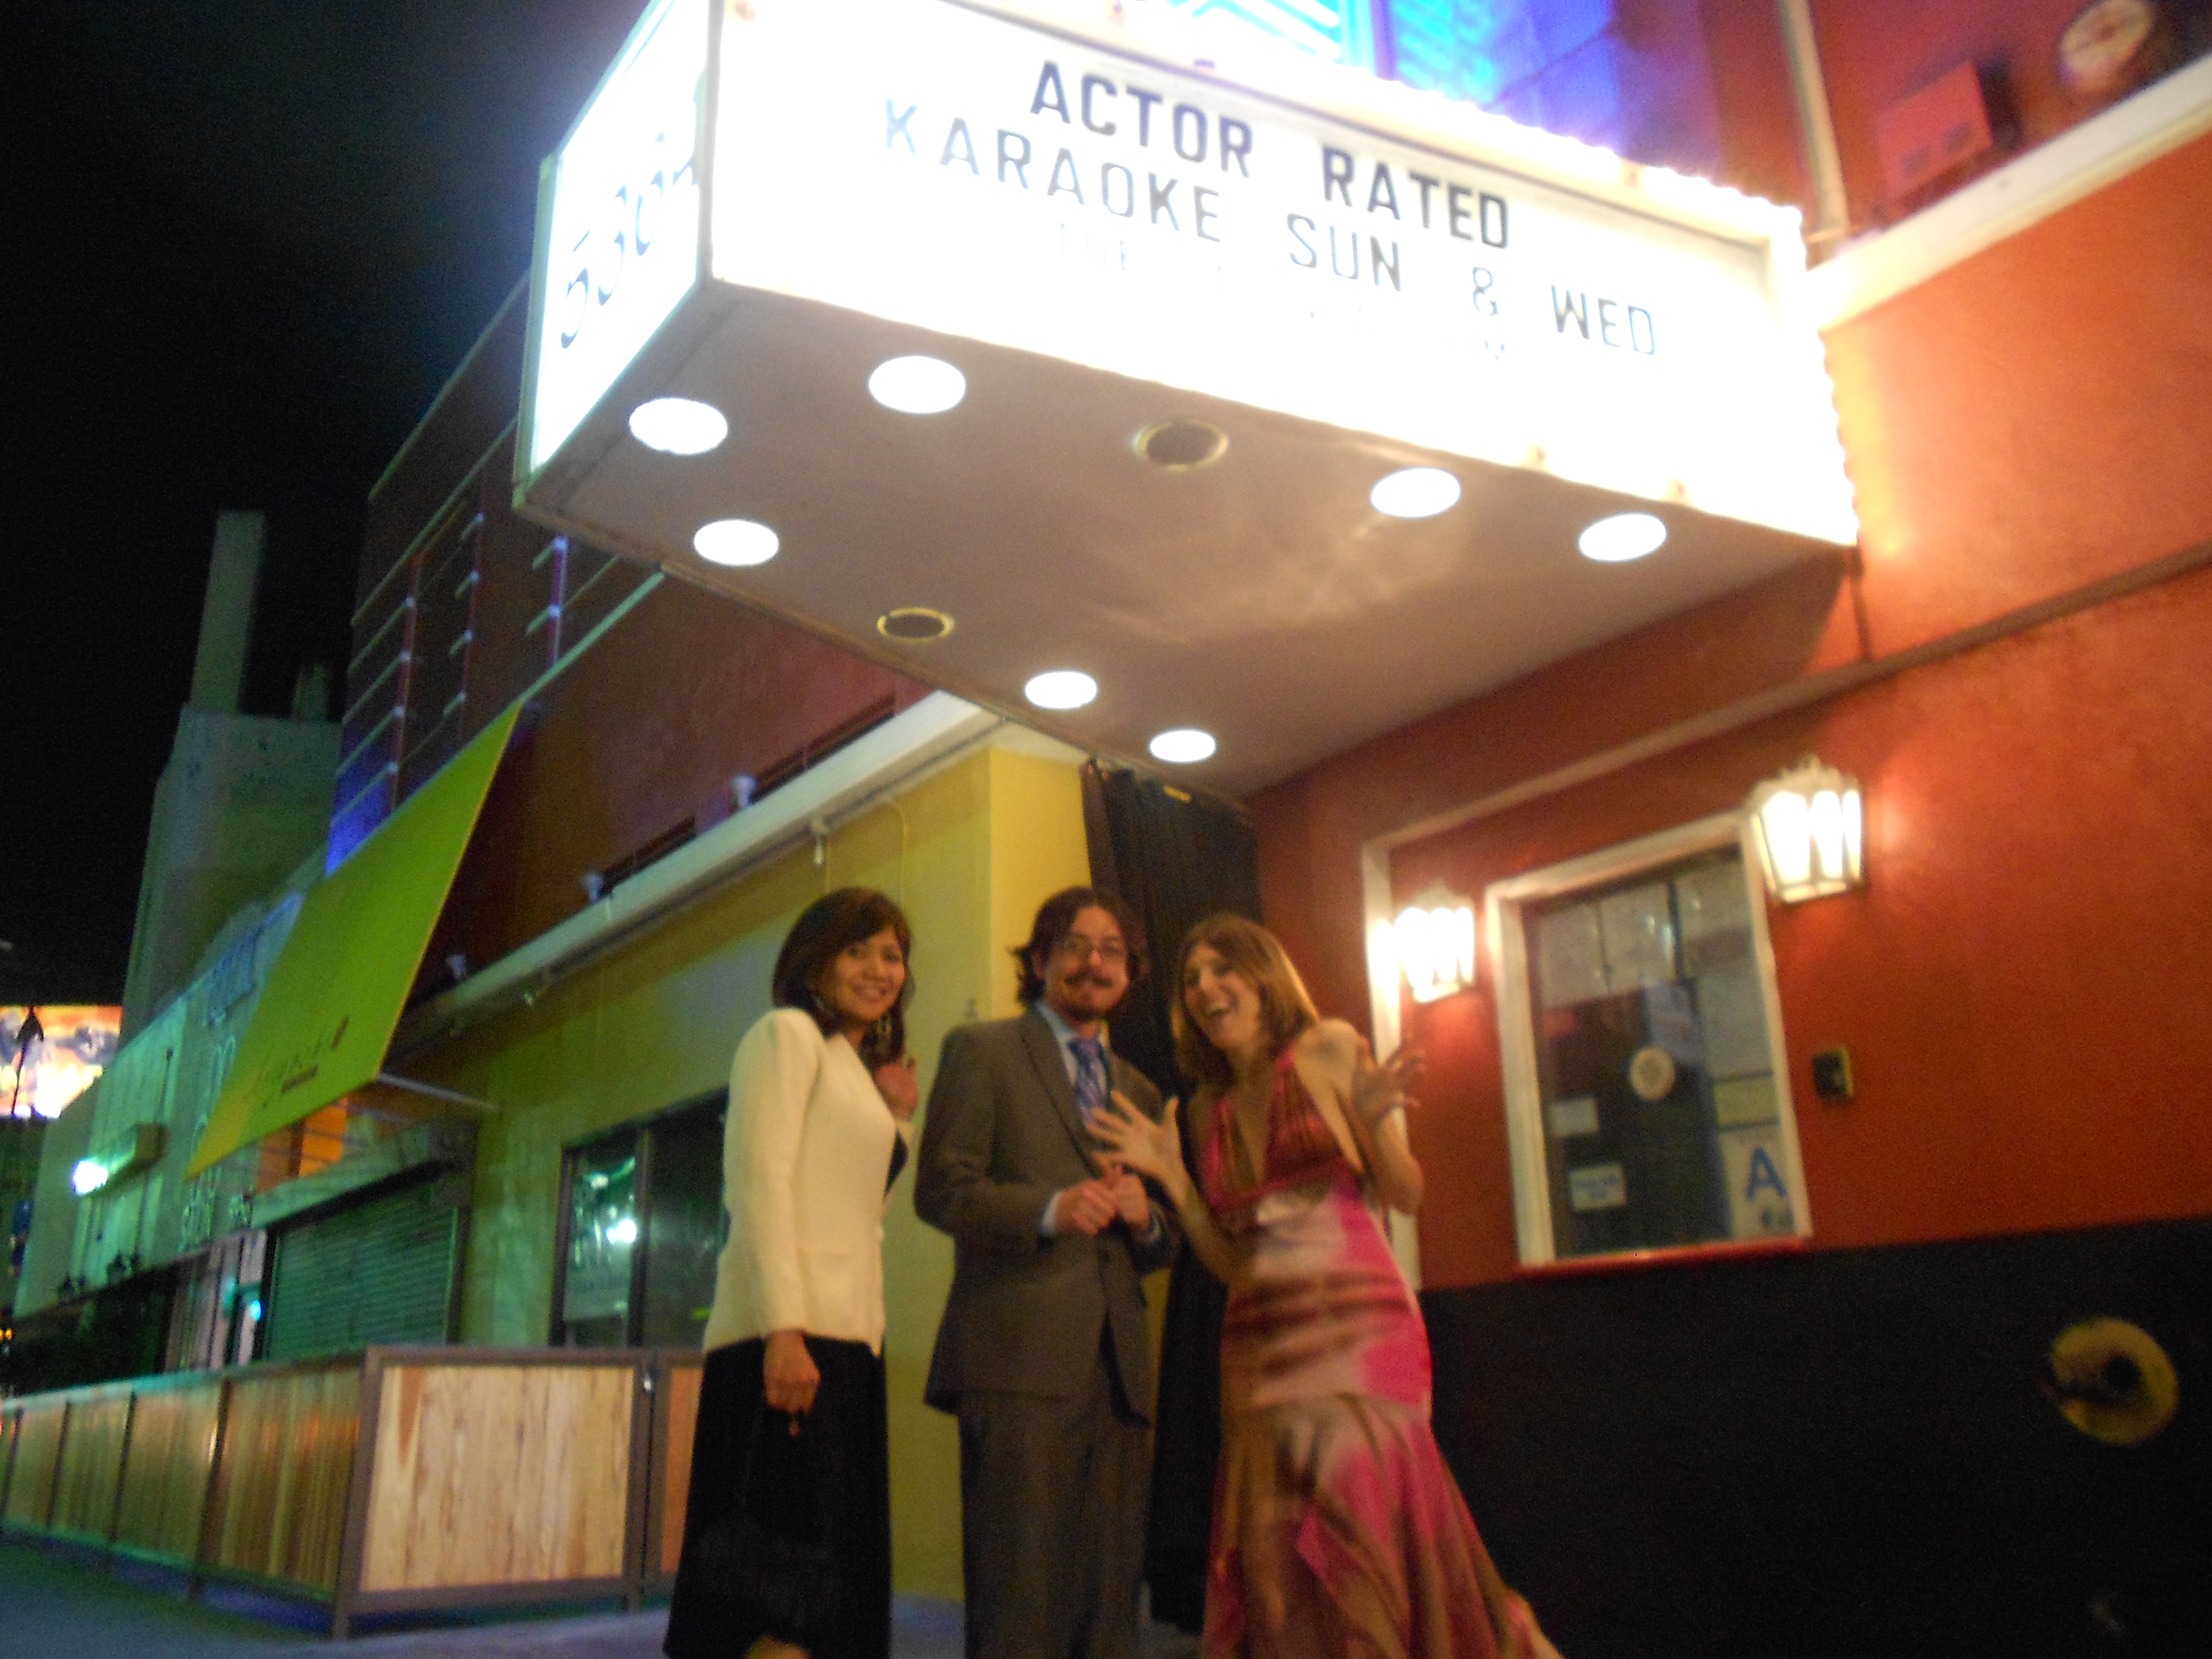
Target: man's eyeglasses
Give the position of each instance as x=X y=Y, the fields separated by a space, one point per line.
x=1076 y=948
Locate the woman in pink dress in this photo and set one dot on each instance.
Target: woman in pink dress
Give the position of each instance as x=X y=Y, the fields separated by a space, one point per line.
x=1337 y=1529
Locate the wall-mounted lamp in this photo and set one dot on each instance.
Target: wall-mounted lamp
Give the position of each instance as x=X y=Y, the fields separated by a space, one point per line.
x=1810 y=830
x=1433 y=938
x=138 y=1148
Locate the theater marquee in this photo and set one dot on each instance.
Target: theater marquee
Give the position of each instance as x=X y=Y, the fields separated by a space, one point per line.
x=1093 y=192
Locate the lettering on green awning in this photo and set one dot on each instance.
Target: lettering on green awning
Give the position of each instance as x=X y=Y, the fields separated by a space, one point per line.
x=328 y=1011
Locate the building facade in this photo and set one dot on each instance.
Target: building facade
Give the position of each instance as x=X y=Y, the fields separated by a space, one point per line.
x=1751 y=1222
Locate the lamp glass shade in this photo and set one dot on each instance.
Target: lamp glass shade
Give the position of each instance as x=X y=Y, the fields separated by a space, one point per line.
x=1810 y=827
x=1434 y=940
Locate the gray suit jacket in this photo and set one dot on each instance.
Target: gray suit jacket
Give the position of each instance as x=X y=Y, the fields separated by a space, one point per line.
x=1003 y=1135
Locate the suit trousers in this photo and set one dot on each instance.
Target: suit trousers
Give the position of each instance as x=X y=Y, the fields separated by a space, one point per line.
x=1052 y=1502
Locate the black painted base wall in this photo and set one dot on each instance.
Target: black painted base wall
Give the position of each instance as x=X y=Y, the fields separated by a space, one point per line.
x=1841 y=1453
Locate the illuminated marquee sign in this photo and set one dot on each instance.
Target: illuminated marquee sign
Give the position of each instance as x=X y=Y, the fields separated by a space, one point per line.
x=1336 y=248
x=618 y=221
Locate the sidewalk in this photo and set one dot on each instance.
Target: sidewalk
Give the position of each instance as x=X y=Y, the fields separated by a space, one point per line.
x=58 y=1604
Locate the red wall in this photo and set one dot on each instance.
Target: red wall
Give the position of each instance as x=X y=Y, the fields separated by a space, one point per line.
x=1875 y=52
x=2021 y=984
x=646 y=728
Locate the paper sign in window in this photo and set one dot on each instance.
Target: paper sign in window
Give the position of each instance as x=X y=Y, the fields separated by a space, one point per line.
x=1638 y=928
x=1732 y=1008
x=1715 y=916
x=1569 y=1118
x=1759 y=1202
x=1740 y=1100
x=1597 y=1186
x=1571 y=955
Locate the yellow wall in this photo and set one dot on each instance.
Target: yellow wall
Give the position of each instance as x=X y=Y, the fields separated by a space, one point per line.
x=969 y=852
x=1038 y=849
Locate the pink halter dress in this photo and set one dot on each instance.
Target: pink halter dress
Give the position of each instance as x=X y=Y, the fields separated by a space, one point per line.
x=1337 y=1529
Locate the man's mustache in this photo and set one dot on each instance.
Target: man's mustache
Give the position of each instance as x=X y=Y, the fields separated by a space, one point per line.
x=1090 y=976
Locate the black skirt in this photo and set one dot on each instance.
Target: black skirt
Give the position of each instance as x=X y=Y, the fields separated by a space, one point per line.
x=848 y=1416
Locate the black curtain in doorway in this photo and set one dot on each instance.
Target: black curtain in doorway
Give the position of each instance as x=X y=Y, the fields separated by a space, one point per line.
x=1177 y=858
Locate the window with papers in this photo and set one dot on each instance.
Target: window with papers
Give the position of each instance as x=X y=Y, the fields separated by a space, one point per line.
x=1645 y=1079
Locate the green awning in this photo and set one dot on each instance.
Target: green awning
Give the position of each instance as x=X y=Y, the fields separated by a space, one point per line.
x=327 y=1013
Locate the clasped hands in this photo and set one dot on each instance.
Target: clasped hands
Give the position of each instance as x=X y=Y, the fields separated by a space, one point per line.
x=1116 y=1193
x=1090 y=1207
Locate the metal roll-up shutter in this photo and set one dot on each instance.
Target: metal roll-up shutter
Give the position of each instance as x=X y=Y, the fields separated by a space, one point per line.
x=378 y=1272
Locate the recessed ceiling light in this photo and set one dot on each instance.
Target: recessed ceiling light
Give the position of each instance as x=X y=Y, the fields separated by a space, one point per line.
x=678 y=426
x=1623 y=536
x=1183 y=746
x=917 y=386
x=915 y=625
x=735 y=541
x=1415 y=492
x=1182 y=444
x=1063 y=688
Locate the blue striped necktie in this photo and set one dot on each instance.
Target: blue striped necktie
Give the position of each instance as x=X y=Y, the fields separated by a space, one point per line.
x=1089 y=1076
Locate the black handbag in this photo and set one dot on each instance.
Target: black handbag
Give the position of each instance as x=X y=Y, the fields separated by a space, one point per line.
x=767 y=1562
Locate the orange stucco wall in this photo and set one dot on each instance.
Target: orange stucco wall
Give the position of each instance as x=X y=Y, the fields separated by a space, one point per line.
x=2040 y=416
x=2020 y=985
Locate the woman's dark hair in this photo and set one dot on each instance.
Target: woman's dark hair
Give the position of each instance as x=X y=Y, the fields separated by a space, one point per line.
x=1055 y=917
x=824 y=927
x=1248 y=949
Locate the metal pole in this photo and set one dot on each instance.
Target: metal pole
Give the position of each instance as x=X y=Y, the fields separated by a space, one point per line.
x=1816 y=125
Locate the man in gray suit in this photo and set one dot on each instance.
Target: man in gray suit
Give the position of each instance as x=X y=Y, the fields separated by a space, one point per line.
x=1044 y=1352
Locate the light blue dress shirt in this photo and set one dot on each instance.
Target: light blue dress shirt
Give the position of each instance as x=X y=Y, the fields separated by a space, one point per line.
x=1066 y=1036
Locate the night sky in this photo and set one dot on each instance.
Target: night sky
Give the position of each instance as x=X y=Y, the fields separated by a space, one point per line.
x=248 y=242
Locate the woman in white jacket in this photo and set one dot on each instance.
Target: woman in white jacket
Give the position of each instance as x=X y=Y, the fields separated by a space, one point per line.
x=791 y=1441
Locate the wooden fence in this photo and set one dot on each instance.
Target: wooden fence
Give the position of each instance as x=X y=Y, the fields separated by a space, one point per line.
x=393 y=1480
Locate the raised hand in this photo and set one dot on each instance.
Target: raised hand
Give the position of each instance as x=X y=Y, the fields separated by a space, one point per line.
x=1380 y=1090
x=902 y=1090
x=1138 y=1143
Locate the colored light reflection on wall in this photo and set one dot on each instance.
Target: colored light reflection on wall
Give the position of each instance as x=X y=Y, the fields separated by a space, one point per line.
x=77 y=1044
x=1334 y=29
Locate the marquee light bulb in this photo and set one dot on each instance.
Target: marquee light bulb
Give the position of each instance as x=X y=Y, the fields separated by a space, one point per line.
x=736 y=541
x=678 y=426
x=1623 y=536
x=1415 y=492
x=89 y=1176
x=1062 y=689
x=917 y=386
x=1185 y=746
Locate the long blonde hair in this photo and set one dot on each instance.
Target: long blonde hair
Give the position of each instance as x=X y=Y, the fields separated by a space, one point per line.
x=1249 y=950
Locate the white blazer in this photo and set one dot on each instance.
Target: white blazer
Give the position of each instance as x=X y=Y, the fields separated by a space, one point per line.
x=805 y=1150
